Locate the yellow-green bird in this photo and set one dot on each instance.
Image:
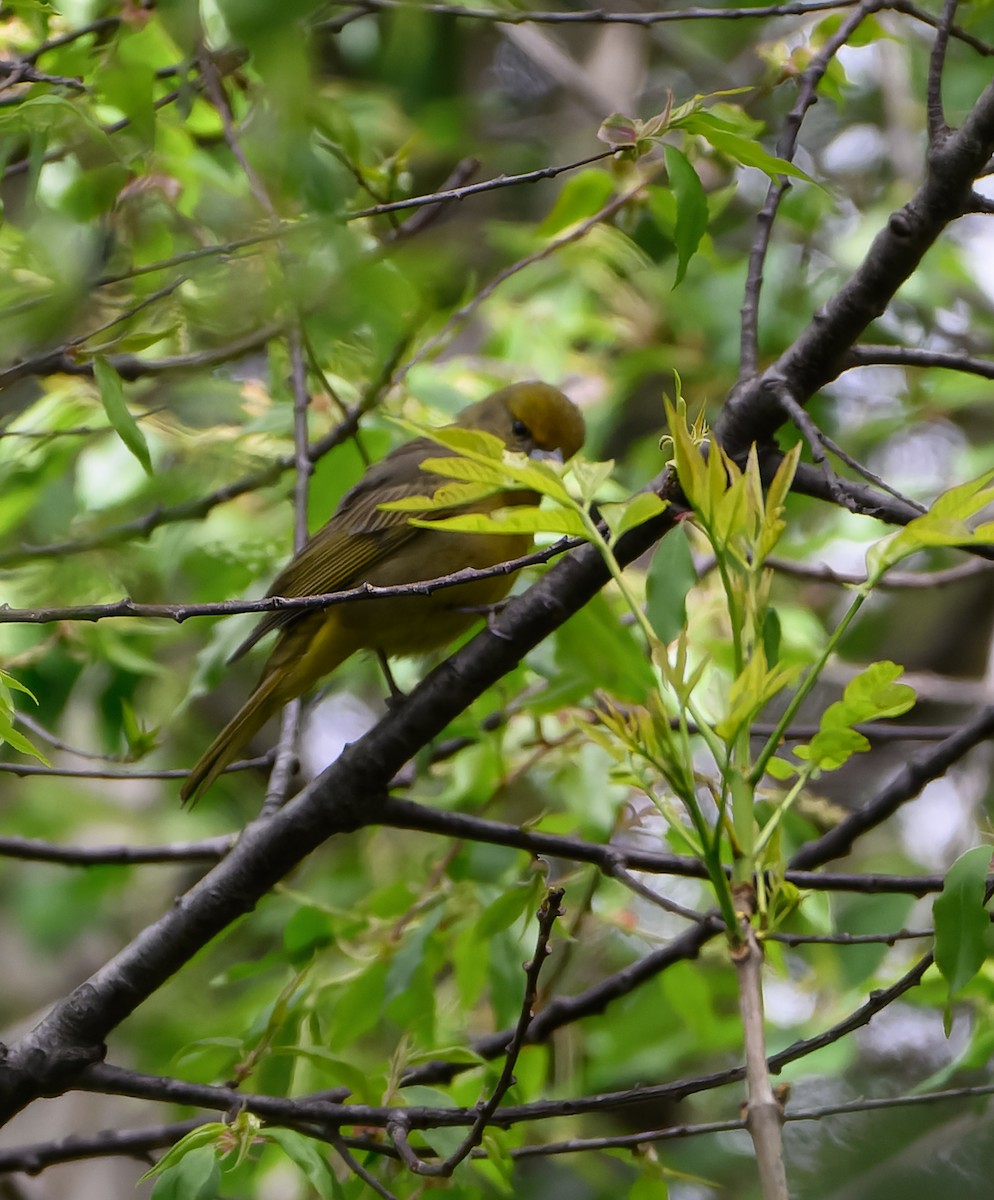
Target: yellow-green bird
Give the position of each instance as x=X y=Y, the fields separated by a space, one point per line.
x=362 y=543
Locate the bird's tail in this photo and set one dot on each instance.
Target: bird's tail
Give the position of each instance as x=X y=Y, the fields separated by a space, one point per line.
x=247 y=722
x=308 y=650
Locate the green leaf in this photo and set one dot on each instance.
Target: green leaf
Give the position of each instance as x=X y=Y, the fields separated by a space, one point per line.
x=470 y=470
x=670 y=578
x=751 y=690
x=139 y=740
x=641 y=508
x=444 y=1139
x=470 y=966
x=198 y=1142
x=306 y=1156
x=510 y=905
x=690 y=465
x=591 y=476
x=691 y=211
x=131 y=89
x=94 y=192
x=649 y=1187
x=196 y=1176
x=17 y=741
x=771 y=635
x=599 y=653
x=741 y=149
x=455 y=1054
x=358 y=1005
x=112 y=396
x=581 y=197
x=874 y=693
x=945 y=524
x=8 y=680
x=779 y=768
x=962 y=922
x=497 y=1146
x=339 y=1072
x=773 y=523
x=832 y=747
x=308 y=929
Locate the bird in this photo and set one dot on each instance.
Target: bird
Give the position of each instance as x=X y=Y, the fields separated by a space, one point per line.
x=363 y=543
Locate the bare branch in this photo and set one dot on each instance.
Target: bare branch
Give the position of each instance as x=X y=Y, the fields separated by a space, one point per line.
x=397 y=1128
x=179 y=613
x=786 y=148
x=911 y=356
x=937 y=128
x=752 y=414
x=794 y=8
x=764 y=1114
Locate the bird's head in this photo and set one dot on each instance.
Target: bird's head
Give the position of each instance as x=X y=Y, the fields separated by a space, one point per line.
x=529 y=417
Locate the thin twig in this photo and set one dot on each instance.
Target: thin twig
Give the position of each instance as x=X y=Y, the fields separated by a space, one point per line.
x=36 y=770
x=786 y=148
x=937 y=128
x=357 y=1169
x=34 y=850
x=812 y=435
x=64 y=360
x=404 y=814
x=195 y=509
x=597 y=16
x=547 y=916
x=419 y=221
x=848 y=939
x=126 y=607
x=279 y=780
x=911 y=356
x=634 y=884
x=137 y=1143
x=475 y=189
x=819 y=1113
x=893 y=581
x=866 y=473
x=101 y=25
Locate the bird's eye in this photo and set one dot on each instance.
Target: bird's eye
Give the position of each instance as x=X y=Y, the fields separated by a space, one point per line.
x=520 y=429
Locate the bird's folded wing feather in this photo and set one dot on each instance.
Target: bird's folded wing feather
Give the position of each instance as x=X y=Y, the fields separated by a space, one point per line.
x=360 y=535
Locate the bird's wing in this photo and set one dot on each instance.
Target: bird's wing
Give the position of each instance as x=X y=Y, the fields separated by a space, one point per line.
x=357 y=537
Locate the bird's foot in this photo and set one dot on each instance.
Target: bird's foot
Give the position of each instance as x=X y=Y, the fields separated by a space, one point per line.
x=396 y=695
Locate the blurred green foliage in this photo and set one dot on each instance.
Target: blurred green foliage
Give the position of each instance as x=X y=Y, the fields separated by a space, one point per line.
x=165 y=224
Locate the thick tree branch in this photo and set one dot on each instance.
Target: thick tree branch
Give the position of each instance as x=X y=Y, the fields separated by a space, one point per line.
x=753 y=413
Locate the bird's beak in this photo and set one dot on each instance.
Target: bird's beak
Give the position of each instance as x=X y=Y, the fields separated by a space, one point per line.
x=555 y=456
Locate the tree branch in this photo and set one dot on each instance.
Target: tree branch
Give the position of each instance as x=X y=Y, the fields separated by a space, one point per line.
x=753 y=413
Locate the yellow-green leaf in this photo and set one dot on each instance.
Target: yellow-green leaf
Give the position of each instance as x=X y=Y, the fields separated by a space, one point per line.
x=450 y=495
x=523 y=519
x=637 y=511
